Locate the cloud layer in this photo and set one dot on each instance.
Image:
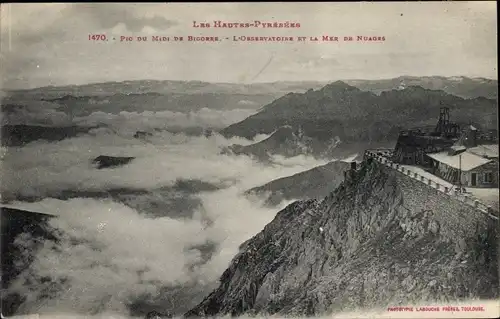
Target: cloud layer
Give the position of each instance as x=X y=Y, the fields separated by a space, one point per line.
x=109 y=255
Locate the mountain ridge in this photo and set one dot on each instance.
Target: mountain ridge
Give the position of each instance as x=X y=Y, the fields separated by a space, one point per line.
x=340 y=112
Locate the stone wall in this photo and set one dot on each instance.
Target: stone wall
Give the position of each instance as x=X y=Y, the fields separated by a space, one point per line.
x=382 y=157
x=458 y=218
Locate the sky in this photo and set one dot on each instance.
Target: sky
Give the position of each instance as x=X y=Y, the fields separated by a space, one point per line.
x=47 y=44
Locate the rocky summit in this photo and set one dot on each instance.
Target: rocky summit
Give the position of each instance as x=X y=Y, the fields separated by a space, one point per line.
x=379 y=239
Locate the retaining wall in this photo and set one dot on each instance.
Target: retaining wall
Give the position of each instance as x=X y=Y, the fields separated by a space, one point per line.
x=446 y=193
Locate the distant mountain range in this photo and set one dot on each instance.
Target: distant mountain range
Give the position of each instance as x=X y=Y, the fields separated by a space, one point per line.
x=341 y=115
x=168 y=87
x=319 y=117
x=80 y=106
x=457 y=85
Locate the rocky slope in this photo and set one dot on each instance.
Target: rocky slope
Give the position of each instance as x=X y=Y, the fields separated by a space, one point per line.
x=379 y=239
x=314 y=183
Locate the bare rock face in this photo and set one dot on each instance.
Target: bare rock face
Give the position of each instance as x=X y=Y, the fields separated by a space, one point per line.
x=379 y=239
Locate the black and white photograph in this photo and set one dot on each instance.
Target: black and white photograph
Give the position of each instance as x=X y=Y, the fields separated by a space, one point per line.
x=254 y=160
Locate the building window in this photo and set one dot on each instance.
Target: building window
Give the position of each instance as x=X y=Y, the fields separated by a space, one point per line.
x=488 y=178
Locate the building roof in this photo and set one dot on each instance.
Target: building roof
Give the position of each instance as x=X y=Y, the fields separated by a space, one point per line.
x=464 y=161
x=485 y=150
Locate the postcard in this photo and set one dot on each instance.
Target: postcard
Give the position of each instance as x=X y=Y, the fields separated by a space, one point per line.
x=208 y=160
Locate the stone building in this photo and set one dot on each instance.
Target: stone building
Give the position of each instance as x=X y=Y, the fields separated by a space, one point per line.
x=465 y=168
x=466 y=157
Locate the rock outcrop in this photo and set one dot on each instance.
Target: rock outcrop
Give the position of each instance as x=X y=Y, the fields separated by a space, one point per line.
x=104 y=161
x=379 y=239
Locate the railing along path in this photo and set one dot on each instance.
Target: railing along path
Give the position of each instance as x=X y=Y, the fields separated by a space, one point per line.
x=382 y=156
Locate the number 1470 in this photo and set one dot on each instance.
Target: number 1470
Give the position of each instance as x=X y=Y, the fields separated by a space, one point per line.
x=97 y=37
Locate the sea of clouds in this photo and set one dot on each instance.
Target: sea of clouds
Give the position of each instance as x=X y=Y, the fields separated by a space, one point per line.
x=108 y=255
